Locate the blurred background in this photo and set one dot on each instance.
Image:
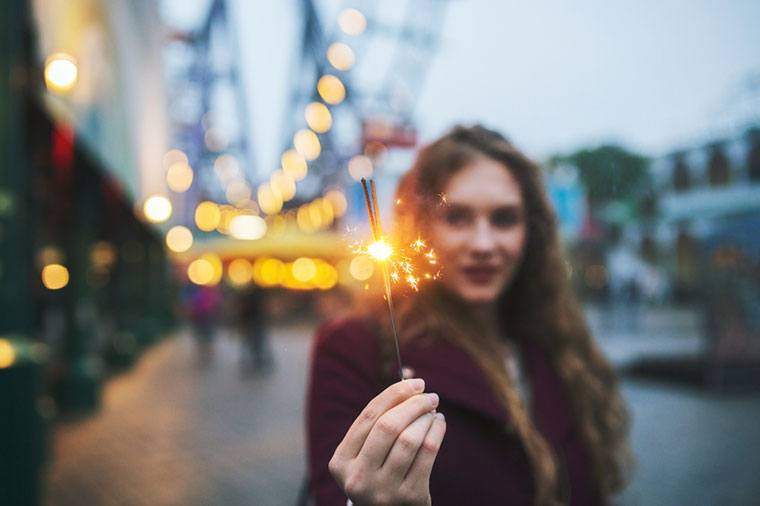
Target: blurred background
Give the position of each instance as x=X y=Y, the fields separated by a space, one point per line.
x=178 y=195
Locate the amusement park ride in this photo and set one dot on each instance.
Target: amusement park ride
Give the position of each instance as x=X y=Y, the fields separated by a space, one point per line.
x=360 y=69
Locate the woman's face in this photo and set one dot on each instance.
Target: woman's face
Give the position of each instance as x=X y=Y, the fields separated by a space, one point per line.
x=479 y=232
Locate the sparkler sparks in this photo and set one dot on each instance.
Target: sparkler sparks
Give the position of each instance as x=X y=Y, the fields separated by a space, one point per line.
x=397 y=263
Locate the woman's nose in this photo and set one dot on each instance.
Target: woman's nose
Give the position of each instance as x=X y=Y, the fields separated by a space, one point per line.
x=483 y=240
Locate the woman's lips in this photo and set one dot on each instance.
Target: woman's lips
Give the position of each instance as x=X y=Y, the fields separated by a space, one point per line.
x=480 y=275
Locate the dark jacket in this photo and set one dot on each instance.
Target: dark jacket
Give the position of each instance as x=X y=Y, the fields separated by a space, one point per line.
x=480 y=461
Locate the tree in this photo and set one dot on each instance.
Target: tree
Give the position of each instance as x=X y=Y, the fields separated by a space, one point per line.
x=608 y=172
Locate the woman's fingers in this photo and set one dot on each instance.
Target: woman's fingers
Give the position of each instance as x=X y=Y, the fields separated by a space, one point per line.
x=392 y=396
x=390 y=425
x=420 y=470
x=405 y=448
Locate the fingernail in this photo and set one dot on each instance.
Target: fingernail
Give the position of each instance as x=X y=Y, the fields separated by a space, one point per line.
x=418 y=384
x=433 y=399
x=440 y=417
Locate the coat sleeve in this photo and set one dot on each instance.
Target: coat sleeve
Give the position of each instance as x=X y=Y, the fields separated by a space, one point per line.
x=342 y=381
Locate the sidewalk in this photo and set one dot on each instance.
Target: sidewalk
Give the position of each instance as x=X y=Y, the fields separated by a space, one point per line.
x=172 y=434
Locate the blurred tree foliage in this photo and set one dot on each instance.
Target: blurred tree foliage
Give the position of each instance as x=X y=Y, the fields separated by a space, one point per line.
x=608 y=172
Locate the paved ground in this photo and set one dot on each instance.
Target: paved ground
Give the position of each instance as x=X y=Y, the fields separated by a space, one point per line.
x=171 y=433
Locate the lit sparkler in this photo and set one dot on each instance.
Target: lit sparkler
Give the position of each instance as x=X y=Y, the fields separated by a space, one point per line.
x=397 y=264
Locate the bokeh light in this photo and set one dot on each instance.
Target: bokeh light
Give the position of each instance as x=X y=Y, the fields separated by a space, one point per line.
x=207 y=216
x=55 y=276
x=7 y=354
x=360 y=167
x=294 y=164
x=338 y=202
x=179 y=239
x=284 y=184
x=341 y=56
x=61 y=73
x=157 y=209
x=179 y=177
x=270 y=201
x=240 y=272
x=304 y=269
x=200 y=272
x=362 y=267
x=352 y=22
x=247 y=227
x=318 y=117
x=331 y=89
x=307 y=144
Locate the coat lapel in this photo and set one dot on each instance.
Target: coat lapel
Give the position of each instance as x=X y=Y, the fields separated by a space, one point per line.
x=451 y=373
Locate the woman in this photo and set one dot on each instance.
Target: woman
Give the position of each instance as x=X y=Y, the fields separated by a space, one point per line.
x=520 y=405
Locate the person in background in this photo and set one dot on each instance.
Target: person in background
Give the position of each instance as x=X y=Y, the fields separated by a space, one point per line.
x=511 y=401
x=256 y=353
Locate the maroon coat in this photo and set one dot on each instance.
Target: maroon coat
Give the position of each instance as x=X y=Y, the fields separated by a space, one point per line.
x=480 y=462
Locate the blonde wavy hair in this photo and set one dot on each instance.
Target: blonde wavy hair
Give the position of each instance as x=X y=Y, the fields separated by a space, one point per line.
x=538 y=306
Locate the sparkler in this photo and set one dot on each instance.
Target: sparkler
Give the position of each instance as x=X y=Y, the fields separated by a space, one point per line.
x=381 y=251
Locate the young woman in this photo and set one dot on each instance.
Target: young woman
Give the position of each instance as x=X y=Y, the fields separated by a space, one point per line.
x=512 y=402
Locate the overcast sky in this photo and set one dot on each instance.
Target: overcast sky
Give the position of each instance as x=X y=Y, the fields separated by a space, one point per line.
x=553 y=75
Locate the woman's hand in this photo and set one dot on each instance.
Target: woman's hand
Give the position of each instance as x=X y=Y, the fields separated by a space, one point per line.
x=387 y=455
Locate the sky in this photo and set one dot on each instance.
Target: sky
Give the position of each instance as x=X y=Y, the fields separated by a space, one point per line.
x=553 y=75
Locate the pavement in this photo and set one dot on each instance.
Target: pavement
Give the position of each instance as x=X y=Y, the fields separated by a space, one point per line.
x=174 y=432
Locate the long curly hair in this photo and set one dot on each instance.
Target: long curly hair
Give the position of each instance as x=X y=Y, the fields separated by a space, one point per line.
x=538 y=307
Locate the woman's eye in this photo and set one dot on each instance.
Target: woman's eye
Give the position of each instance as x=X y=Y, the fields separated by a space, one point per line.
x=504 y=218
x=456 y=217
